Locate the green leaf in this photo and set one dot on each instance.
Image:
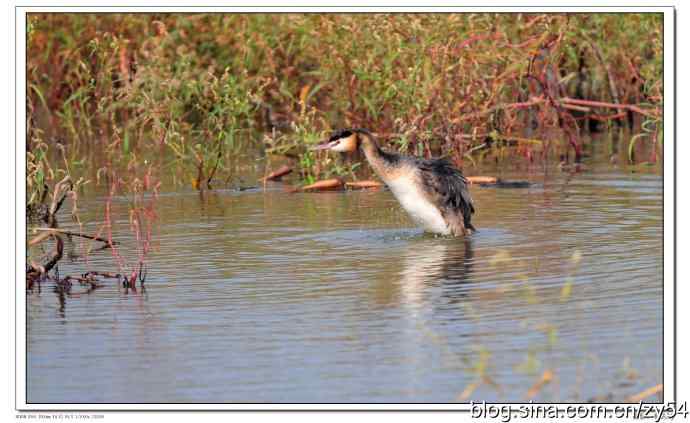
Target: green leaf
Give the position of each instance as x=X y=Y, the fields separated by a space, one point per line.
x=370 y=105
x=39 y=94
x=72 y=97
x=315 y=90
x=125 y=142
x=631 y=146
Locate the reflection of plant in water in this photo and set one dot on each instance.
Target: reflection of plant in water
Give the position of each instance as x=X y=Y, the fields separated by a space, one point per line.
x=523 y=289
x=480 y=369
x=567 y=288
x=531 y=364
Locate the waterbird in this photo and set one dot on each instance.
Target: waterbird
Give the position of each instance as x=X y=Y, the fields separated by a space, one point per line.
x=432 y=191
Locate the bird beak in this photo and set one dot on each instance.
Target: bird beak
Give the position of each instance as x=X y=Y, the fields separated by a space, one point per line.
x=325 y=146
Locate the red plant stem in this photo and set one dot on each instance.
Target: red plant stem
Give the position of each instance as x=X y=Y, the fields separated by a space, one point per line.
x=603 y=104
x=518 y=105
x=652 y=154
x=609 y=117
x=109 y=226
x=561 y=117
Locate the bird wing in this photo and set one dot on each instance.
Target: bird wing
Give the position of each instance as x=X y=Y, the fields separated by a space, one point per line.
x=448 y=187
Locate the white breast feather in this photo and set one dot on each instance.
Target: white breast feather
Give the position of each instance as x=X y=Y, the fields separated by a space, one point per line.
x=416 y=204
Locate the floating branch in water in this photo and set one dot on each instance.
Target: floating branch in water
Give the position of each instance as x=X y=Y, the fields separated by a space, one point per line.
x=482 y=179
x=492 y=181
x=325 y=185
x=90 y=279
x=363 y=184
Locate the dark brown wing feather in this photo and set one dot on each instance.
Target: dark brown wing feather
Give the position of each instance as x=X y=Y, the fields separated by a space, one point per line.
x=447 y=184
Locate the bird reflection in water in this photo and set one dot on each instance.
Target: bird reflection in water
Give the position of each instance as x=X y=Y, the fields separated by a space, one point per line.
x=431 y=266
x=432 y=270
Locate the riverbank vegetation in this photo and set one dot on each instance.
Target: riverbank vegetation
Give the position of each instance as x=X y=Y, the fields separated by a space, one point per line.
x=189 y=92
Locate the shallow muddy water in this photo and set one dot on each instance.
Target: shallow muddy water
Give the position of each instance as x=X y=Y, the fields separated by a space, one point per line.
x=265 y=296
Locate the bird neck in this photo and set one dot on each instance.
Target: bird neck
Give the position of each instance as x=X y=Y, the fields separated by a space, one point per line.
x=382 y=162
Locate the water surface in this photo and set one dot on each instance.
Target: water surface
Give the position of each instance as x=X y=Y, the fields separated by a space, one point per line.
x=266 y=296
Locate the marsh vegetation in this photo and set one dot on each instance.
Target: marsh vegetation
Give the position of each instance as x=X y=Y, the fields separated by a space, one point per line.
x=186 y=94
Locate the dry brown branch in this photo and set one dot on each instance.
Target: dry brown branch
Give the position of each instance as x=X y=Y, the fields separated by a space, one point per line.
x=40 y=238
x=576 y=108
x=56 y=204
x=508 y=106
x=49 y=231
x=36 y=271
x=59 y=194
x=608 y=117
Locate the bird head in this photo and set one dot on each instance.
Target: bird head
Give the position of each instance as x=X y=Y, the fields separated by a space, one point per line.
x=344 y=141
